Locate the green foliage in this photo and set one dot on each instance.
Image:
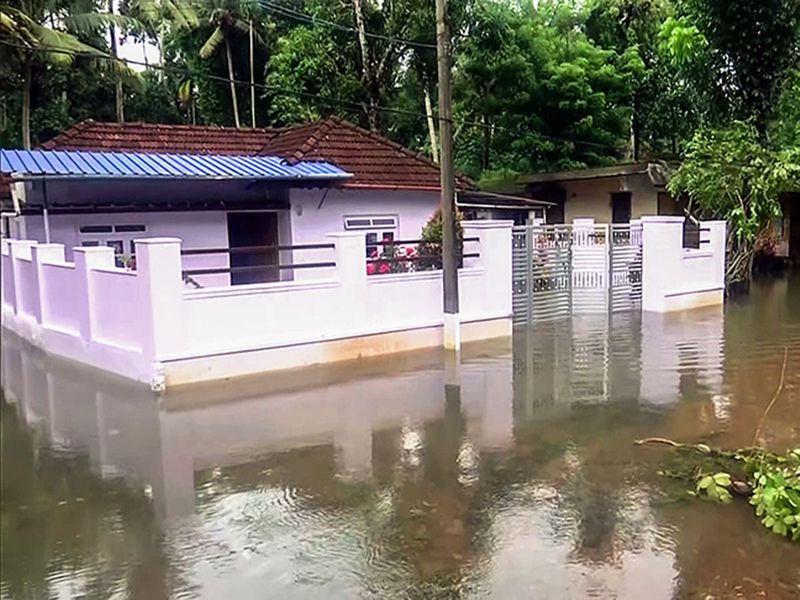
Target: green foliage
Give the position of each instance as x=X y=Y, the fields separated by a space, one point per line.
x=310 y=63
x=543 y=94
x=728 y=174
x=738 y=53
x=430 y=249
x=715 y=487
x=785 y=129
x=776 y=492
x=772 y=481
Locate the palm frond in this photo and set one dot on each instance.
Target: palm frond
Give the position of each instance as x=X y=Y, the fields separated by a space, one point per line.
x=185 y=92
x=90 y=22
x=61 y=47
x=15 y=28
x=212 y=43
x=130 y=78
x=183 y=13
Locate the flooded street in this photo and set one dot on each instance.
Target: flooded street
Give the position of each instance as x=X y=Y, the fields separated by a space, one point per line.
x=510 y=475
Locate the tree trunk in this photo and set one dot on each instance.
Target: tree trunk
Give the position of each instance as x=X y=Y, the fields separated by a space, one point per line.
x=119 y=98
x=362 y=40
x=252 y=81
x=487 y=143
x=367 y=75
x=232 y=84
x=431 y=125
x=26 y=101
x=161 y=52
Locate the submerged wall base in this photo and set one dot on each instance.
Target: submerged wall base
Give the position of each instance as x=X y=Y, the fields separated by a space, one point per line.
x=237 y=364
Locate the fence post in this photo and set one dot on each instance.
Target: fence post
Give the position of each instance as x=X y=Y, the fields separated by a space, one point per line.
x=18 y=249
x=717 y=245
x=350 y=254
x=158 y=269
x=662 y=245
x=40 y=254
x=495 y=257
x=86 y=259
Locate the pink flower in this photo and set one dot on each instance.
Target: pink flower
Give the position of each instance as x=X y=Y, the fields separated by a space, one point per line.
x=371 y=269
x=384 y=268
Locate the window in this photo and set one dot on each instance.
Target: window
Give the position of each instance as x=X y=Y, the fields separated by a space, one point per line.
x=373 y=247
x=96 y=229
x=371 y=222
x=119 y=237
x=377 y=228
x=130 y=228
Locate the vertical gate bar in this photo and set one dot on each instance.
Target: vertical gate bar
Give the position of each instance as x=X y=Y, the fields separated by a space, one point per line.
x=528 y=272
x=610 y=266
x=570 y=240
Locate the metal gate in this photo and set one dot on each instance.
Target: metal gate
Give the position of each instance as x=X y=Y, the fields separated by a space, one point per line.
x=561 y=270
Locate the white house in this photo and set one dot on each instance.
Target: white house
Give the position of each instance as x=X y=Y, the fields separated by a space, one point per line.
x=381 y=189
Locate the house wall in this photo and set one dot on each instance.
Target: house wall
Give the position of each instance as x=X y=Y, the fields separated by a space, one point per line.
x=314 y=214
x=591 y=198
x=196 y=229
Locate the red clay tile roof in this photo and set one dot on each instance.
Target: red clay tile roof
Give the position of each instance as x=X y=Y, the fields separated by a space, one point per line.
x=374 y=160
x=152 y=137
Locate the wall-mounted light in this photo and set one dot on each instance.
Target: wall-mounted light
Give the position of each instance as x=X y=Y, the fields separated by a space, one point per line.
x=298 y=208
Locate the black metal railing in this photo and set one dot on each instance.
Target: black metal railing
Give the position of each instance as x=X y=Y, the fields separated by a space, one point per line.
x=252 y=249
x=692 y=237
x=270 y=256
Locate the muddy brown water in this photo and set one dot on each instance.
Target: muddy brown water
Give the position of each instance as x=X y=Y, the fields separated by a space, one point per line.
x=512 y=474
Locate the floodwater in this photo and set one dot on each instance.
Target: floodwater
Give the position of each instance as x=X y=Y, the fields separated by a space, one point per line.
x=512 y=474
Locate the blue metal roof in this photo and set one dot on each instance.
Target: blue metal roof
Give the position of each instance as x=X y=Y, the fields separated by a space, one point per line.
x=65 y=164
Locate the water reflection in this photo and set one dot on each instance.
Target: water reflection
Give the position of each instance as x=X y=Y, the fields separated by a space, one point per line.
x=509 y=473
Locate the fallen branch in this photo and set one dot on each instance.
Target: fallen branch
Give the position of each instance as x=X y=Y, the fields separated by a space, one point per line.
x=774 y=397
x=659 y=440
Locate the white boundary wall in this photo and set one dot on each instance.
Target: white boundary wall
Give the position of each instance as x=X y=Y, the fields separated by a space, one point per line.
x=677 y=278
x=144 y=325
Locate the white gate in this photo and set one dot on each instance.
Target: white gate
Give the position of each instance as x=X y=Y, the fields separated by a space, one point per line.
x=561 y=270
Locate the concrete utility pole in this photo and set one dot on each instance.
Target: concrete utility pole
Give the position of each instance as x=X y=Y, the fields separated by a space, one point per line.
x=452 y=325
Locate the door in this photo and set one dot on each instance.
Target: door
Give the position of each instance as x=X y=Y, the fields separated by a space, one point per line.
x=621 y=207
x=255 y=234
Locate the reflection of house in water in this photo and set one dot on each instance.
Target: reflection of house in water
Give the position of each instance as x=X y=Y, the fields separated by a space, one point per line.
x=162 y=442
x=682 y=354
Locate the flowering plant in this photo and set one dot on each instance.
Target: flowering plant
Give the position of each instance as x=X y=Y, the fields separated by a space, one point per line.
x=392 y=259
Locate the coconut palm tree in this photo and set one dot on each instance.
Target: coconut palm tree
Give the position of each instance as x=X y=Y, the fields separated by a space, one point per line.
x=229 y=16
x=159 y=16
x=31 y=30
x=26 y=31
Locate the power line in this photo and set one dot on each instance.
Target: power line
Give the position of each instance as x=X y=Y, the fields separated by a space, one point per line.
x=334 y=102
x=286 y=11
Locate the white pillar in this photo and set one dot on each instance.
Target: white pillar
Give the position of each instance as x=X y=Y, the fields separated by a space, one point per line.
x=158 y=268
x=86 y=259
x=662 y=247
x=18 y=249
x=717 y=244
x=42 y=254
x=495 y=257
x=350 y=255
